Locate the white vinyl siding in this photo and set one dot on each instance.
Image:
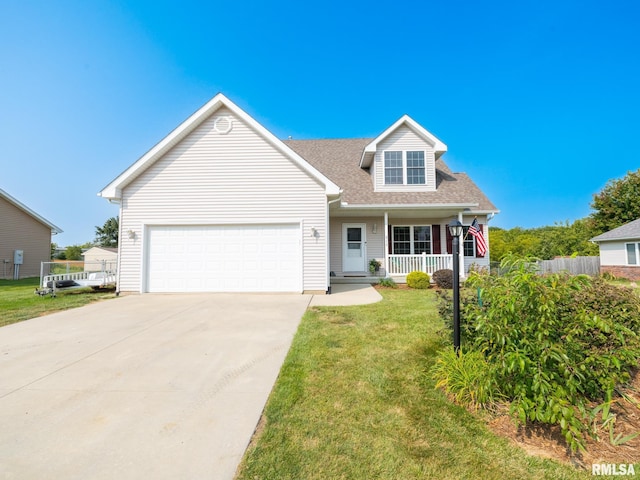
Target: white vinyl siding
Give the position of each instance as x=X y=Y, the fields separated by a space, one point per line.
x=223 y=179
x=613 y=253
x=404 y=140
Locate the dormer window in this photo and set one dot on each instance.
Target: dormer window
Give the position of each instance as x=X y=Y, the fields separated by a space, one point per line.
x=404 y=168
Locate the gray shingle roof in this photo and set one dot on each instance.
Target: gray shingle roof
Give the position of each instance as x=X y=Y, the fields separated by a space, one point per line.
x=628 y=231
x=339 y=160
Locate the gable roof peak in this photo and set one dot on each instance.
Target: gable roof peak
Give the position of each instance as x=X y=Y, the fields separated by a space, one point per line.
x=405 y=120
x=16 y=203
x=113 y=190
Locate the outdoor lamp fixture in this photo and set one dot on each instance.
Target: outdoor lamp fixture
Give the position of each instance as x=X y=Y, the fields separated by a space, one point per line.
x=131 y=234
x=456 y=229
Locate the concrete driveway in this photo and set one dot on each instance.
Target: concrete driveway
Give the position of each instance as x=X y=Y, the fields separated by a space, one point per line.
x=145 y=386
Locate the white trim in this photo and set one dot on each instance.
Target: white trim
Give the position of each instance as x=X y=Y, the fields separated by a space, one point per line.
x=400 y=206
x=637 y=253
x=371 y=148
x=411 y=239
x=113 y=190
x=28 y=211
x=405 y=173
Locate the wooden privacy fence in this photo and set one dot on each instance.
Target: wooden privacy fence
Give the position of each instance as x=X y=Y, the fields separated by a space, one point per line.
x=575 y=265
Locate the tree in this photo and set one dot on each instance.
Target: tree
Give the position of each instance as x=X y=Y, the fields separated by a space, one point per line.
x=73 y=252
x=618 y=203
x=107 y=235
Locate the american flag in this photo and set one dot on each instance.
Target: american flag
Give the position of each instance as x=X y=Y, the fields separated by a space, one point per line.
x=481 y=244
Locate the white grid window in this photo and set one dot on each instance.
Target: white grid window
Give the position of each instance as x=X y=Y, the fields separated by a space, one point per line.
x=404 y=168
x=412 y=239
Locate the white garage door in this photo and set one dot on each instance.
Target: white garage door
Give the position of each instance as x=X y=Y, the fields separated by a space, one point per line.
x=247 y=258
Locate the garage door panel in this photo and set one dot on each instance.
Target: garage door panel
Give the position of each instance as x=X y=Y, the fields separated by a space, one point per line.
x=263 y=258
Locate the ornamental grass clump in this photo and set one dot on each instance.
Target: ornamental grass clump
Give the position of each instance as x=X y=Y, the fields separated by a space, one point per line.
x=555 y=343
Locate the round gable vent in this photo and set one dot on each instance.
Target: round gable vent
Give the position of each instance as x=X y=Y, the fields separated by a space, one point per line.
x=223 y=125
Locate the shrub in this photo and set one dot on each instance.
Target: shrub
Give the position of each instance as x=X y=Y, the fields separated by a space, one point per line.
x=556 y=342
x=418 y=280
x=388 y=282
x=443 y=278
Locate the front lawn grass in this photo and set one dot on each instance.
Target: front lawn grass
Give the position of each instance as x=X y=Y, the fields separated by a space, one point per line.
x=354 y=400
x=18 y=301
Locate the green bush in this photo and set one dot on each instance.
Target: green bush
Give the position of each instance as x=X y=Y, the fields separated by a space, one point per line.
x=388 y=282
x=443 y=278
x=418 y=280
x=556 y=342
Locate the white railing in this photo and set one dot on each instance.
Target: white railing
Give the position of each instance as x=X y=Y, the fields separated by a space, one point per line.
x=404 y=264
x=86 y=274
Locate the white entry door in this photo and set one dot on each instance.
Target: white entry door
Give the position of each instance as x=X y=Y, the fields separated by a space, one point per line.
x=354 y=247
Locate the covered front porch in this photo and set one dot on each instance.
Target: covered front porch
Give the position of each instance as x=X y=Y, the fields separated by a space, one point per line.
x=394 y=242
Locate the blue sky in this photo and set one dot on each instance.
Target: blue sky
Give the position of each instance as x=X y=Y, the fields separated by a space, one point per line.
x=539 y=102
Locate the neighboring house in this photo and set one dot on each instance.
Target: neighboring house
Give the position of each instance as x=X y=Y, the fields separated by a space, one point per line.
x=223 y=205
x=97 y=259
x=23 y=230
x=620 y=251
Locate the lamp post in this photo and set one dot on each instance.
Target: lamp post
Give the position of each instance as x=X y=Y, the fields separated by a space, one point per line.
x=456 y=229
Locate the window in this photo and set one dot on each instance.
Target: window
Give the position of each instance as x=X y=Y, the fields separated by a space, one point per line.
x=393 y=168
x=469 y=247
x=414 y=239
x=633 y=253
x=399 y=165
x=415 y=168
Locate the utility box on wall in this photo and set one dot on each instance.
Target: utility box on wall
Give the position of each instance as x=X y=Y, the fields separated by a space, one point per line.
x=18 y=257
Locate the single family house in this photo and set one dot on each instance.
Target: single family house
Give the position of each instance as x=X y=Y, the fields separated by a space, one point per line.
x=25 y=238
x=222 y=205
x=97 y=259
x=620 y=251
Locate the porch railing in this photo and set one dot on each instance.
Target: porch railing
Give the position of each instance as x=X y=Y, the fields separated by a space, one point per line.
x=404 y=264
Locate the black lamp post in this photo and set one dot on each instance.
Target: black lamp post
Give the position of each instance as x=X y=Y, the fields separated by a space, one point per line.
x=456 y=229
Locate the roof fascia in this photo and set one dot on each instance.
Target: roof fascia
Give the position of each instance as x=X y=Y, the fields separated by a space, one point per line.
x=15 y=202
x=113 y=191
x=439 y=146
x=400 y=206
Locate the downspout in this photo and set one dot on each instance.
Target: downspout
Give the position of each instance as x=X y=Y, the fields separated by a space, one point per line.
x=327 y=229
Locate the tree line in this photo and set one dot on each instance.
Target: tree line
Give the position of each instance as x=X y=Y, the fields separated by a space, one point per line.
x=106 y=236
x=616 y=204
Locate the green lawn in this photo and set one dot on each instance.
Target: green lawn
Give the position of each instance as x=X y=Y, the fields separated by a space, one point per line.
x=354 y=401
x=18 y=301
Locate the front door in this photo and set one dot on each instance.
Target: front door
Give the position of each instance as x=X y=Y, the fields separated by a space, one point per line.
x=354 y=246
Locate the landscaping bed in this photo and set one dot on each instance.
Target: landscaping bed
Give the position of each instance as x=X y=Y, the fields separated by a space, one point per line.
x=356 y=399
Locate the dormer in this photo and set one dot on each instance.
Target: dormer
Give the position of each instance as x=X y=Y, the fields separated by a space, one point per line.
x=402 y=158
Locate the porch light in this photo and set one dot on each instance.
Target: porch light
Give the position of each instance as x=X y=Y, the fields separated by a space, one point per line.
x=374 y=228
x=131 y=234
x=456 y=229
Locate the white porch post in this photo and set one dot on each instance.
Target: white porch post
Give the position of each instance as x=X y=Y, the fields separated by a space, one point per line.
x=386 y=244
